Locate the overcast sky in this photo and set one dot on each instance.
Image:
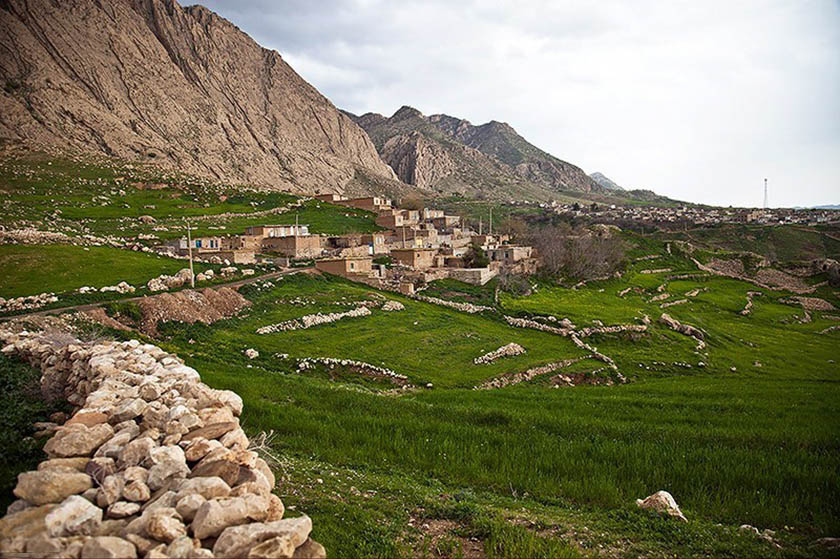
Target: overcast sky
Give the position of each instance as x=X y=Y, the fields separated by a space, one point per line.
x=699 y=101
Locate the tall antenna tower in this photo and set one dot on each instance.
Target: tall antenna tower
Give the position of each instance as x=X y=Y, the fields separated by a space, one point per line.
x=765 y=194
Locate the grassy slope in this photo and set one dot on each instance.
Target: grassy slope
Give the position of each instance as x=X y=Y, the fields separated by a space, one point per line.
x=103 y=198
x=31 y=269
x=757 y=446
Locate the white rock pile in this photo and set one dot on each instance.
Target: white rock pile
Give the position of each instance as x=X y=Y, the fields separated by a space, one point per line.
x=463 y=307
x=508 y=350
x=310 y=320
x=164 y=282
x=30 y=302
x=152 y=464
x=122 y=287
x=390 y=305
x=367 y=369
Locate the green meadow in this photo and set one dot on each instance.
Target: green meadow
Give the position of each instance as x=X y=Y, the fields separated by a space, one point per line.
x=745 y=431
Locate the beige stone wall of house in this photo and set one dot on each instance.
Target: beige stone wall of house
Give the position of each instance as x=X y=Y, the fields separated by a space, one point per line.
x=296 y=247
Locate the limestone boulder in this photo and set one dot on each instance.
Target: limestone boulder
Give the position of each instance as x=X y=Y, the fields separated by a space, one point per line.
x=216 y=515
x=237 y=541
x=165 y=524
x=78 y=440
x=310 y=549
x=108 y=547
x=662 y=502
x=50 y=486
x=74 y=516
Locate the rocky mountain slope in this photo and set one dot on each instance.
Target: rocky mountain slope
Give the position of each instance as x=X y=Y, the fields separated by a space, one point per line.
x=605 y=181
x=450 y=155
x=182 y=86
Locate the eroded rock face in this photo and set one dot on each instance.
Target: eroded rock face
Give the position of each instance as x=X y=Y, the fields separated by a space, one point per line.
x=179 y=86
x=157 y=474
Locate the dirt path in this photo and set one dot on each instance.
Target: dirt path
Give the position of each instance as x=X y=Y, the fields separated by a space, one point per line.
x=89 y=306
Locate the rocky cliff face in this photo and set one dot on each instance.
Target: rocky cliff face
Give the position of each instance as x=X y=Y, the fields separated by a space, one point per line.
x=490 y=159
x=180 y=86
x=605 y=181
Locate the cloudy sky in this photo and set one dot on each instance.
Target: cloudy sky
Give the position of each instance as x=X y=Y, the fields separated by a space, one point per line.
x=699 y=101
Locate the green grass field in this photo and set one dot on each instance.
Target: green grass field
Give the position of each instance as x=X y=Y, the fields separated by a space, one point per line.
x=32 y=269
x=524 y=469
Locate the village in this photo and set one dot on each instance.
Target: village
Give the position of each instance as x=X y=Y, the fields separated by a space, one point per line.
x=417 y=246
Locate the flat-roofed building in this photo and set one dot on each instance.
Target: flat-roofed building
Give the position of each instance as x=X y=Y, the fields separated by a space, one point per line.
x=348 y=267
x=415 y=258
x=277 y=230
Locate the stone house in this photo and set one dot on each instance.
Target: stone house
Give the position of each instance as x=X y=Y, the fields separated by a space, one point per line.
x=509 y=254
x=414 y=258
x=277 y=230
x=348 y=267
x=369 y=203
x=296 y=246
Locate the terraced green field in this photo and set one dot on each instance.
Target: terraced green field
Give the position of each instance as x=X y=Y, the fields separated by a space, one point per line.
x=751 y=436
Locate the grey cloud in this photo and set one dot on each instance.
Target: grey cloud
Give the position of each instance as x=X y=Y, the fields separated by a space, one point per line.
x=699 y=101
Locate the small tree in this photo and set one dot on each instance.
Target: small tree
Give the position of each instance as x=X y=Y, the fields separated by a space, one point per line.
x=476 y=257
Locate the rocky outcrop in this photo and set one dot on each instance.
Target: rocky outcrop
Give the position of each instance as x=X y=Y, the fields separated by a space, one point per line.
x=153 y=463
x=177 y=86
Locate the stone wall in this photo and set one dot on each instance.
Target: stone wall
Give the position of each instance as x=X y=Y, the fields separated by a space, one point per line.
x=153 y=463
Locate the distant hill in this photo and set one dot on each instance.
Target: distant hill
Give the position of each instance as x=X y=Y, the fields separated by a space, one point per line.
x=180 y=86
x=604 y=181
x=449 y=155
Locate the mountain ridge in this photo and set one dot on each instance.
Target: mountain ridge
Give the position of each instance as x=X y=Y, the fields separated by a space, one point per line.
x=490 y=159
x=181 y=86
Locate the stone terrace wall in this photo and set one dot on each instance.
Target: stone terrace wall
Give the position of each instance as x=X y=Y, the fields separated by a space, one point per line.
x=153 y=463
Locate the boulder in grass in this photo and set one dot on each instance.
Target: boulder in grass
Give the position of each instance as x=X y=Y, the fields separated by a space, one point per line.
x=662 y=502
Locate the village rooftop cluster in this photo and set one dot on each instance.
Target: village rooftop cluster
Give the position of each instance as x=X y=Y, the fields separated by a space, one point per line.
x=699 y=215
x=416 y=246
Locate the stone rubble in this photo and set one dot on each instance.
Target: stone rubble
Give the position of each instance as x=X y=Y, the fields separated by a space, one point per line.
x=508 y=350
x=26 y=303
x=684 y=329
x=310 y=320
x=390 y=305
x=366 y=369
x=153 y=463
x=748 y=307
x=165 y=282
x=463 y=307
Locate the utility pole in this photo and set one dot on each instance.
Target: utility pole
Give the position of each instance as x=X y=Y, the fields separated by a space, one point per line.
x=189 y=248
x=297 y=226
x=765 y=194
x=491 y=220
x=480 y=226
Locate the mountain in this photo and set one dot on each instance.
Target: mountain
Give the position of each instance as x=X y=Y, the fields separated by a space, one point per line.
x=449 y=155
x=605 y=181
x=181 y=86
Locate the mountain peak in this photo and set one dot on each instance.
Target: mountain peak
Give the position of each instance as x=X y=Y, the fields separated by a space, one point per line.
x=406 y=112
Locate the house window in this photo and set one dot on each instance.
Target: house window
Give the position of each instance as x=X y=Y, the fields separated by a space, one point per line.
x=198 y=243
x=352 y=265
